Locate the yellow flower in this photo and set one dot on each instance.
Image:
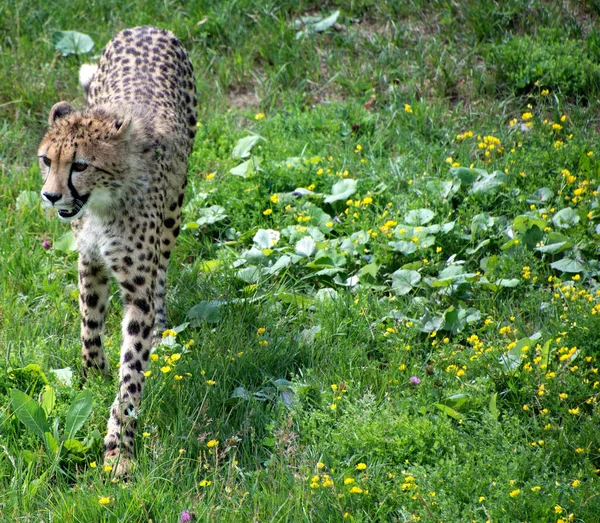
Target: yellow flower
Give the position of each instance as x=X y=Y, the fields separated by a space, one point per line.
x=558 y=509
x=527 y=116
x=545 y=92
x=104 y=501
x=266 y=212
x=274 y=198
x=178 y=377
x=574 y=411
x=148 y=373
x=348 y=481
x=579 y=450
x=356 y=490
x=320 y=465
x=107 y=468
x=537 y=488
x=165 y=369
x=93 y=465
x=408 y=108
x=261 y=330
x=575 y=483
x=154 y=357
x=333 y=406
x=259 y=116
x=212 y=443
x=515 y=493
x=210 y=176
x=205 y=483
x=361 y=466
x=211 y=382
x=146 y=434
x=169 y=332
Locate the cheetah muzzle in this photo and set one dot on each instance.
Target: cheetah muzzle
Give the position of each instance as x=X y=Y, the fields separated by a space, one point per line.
x=117 y=171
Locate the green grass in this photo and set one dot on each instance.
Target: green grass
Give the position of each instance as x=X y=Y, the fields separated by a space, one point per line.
x=306 y=351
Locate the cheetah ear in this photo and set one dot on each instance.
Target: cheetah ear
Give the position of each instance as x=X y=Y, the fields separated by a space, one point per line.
x=122 y=127
x=58 y=111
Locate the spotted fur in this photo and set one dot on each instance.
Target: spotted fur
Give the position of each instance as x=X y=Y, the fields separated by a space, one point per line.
x=117 y=170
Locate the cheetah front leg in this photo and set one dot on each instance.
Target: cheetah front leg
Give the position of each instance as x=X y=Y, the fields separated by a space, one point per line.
x=93 y=300
x=138 y=323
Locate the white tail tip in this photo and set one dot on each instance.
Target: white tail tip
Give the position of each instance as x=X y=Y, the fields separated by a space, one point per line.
x=86 y=74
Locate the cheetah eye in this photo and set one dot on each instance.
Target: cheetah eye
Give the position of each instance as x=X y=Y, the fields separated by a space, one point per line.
x=47 y=161
x=79 y=167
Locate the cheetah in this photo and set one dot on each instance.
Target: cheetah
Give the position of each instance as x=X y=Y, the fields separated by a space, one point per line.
x=117 y=171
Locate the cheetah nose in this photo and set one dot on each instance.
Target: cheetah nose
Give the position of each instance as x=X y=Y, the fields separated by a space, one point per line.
x=52 y=197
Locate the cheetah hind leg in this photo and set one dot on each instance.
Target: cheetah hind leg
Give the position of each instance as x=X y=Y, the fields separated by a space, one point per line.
x=168 y=238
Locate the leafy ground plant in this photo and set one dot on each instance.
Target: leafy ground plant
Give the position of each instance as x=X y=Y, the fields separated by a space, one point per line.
x=385 y=295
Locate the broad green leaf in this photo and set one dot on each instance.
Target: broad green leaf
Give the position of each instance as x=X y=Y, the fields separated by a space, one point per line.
x=545 y=355
x=540 y=195
x=307 y=336
x=78 y=413
x=480 y=245
x=74 y=446
x=209 y=266
x=514 y=357
x=443 y=188
x=419 y=217
x=488 y=184
x=48 y=399
x=266 y=238
x=51 y=443
x=565 y=218
x=455 y=320
x=306 y=247
x=568 y=265
x=244 y=146
x=246 y=168
x=72 y=42
x=554 y=248
x=448 y=411
x=66 y=243
x=239 y=394
x=404 y=247
x=64 y=376
x=279 y=265
x=465 y=175
x=403 y=281
x=493 y=407
x=210 y=215
x=524 y=222
x=30 y=413
x=249 y=274
x=510 y=283
x=342 y=190
x=481 y=222
x=207 y=311
x=368 y=273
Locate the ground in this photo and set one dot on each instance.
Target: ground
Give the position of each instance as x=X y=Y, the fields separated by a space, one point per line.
x=384 y=300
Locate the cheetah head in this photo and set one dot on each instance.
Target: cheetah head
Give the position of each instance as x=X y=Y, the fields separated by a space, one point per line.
x=81 y=157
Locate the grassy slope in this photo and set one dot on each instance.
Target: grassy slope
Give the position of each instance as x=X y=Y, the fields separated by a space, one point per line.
x=438 y=57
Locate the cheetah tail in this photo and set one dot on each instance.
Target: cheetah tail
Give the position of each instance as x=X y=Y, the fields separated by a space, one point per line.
x=86 y=75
